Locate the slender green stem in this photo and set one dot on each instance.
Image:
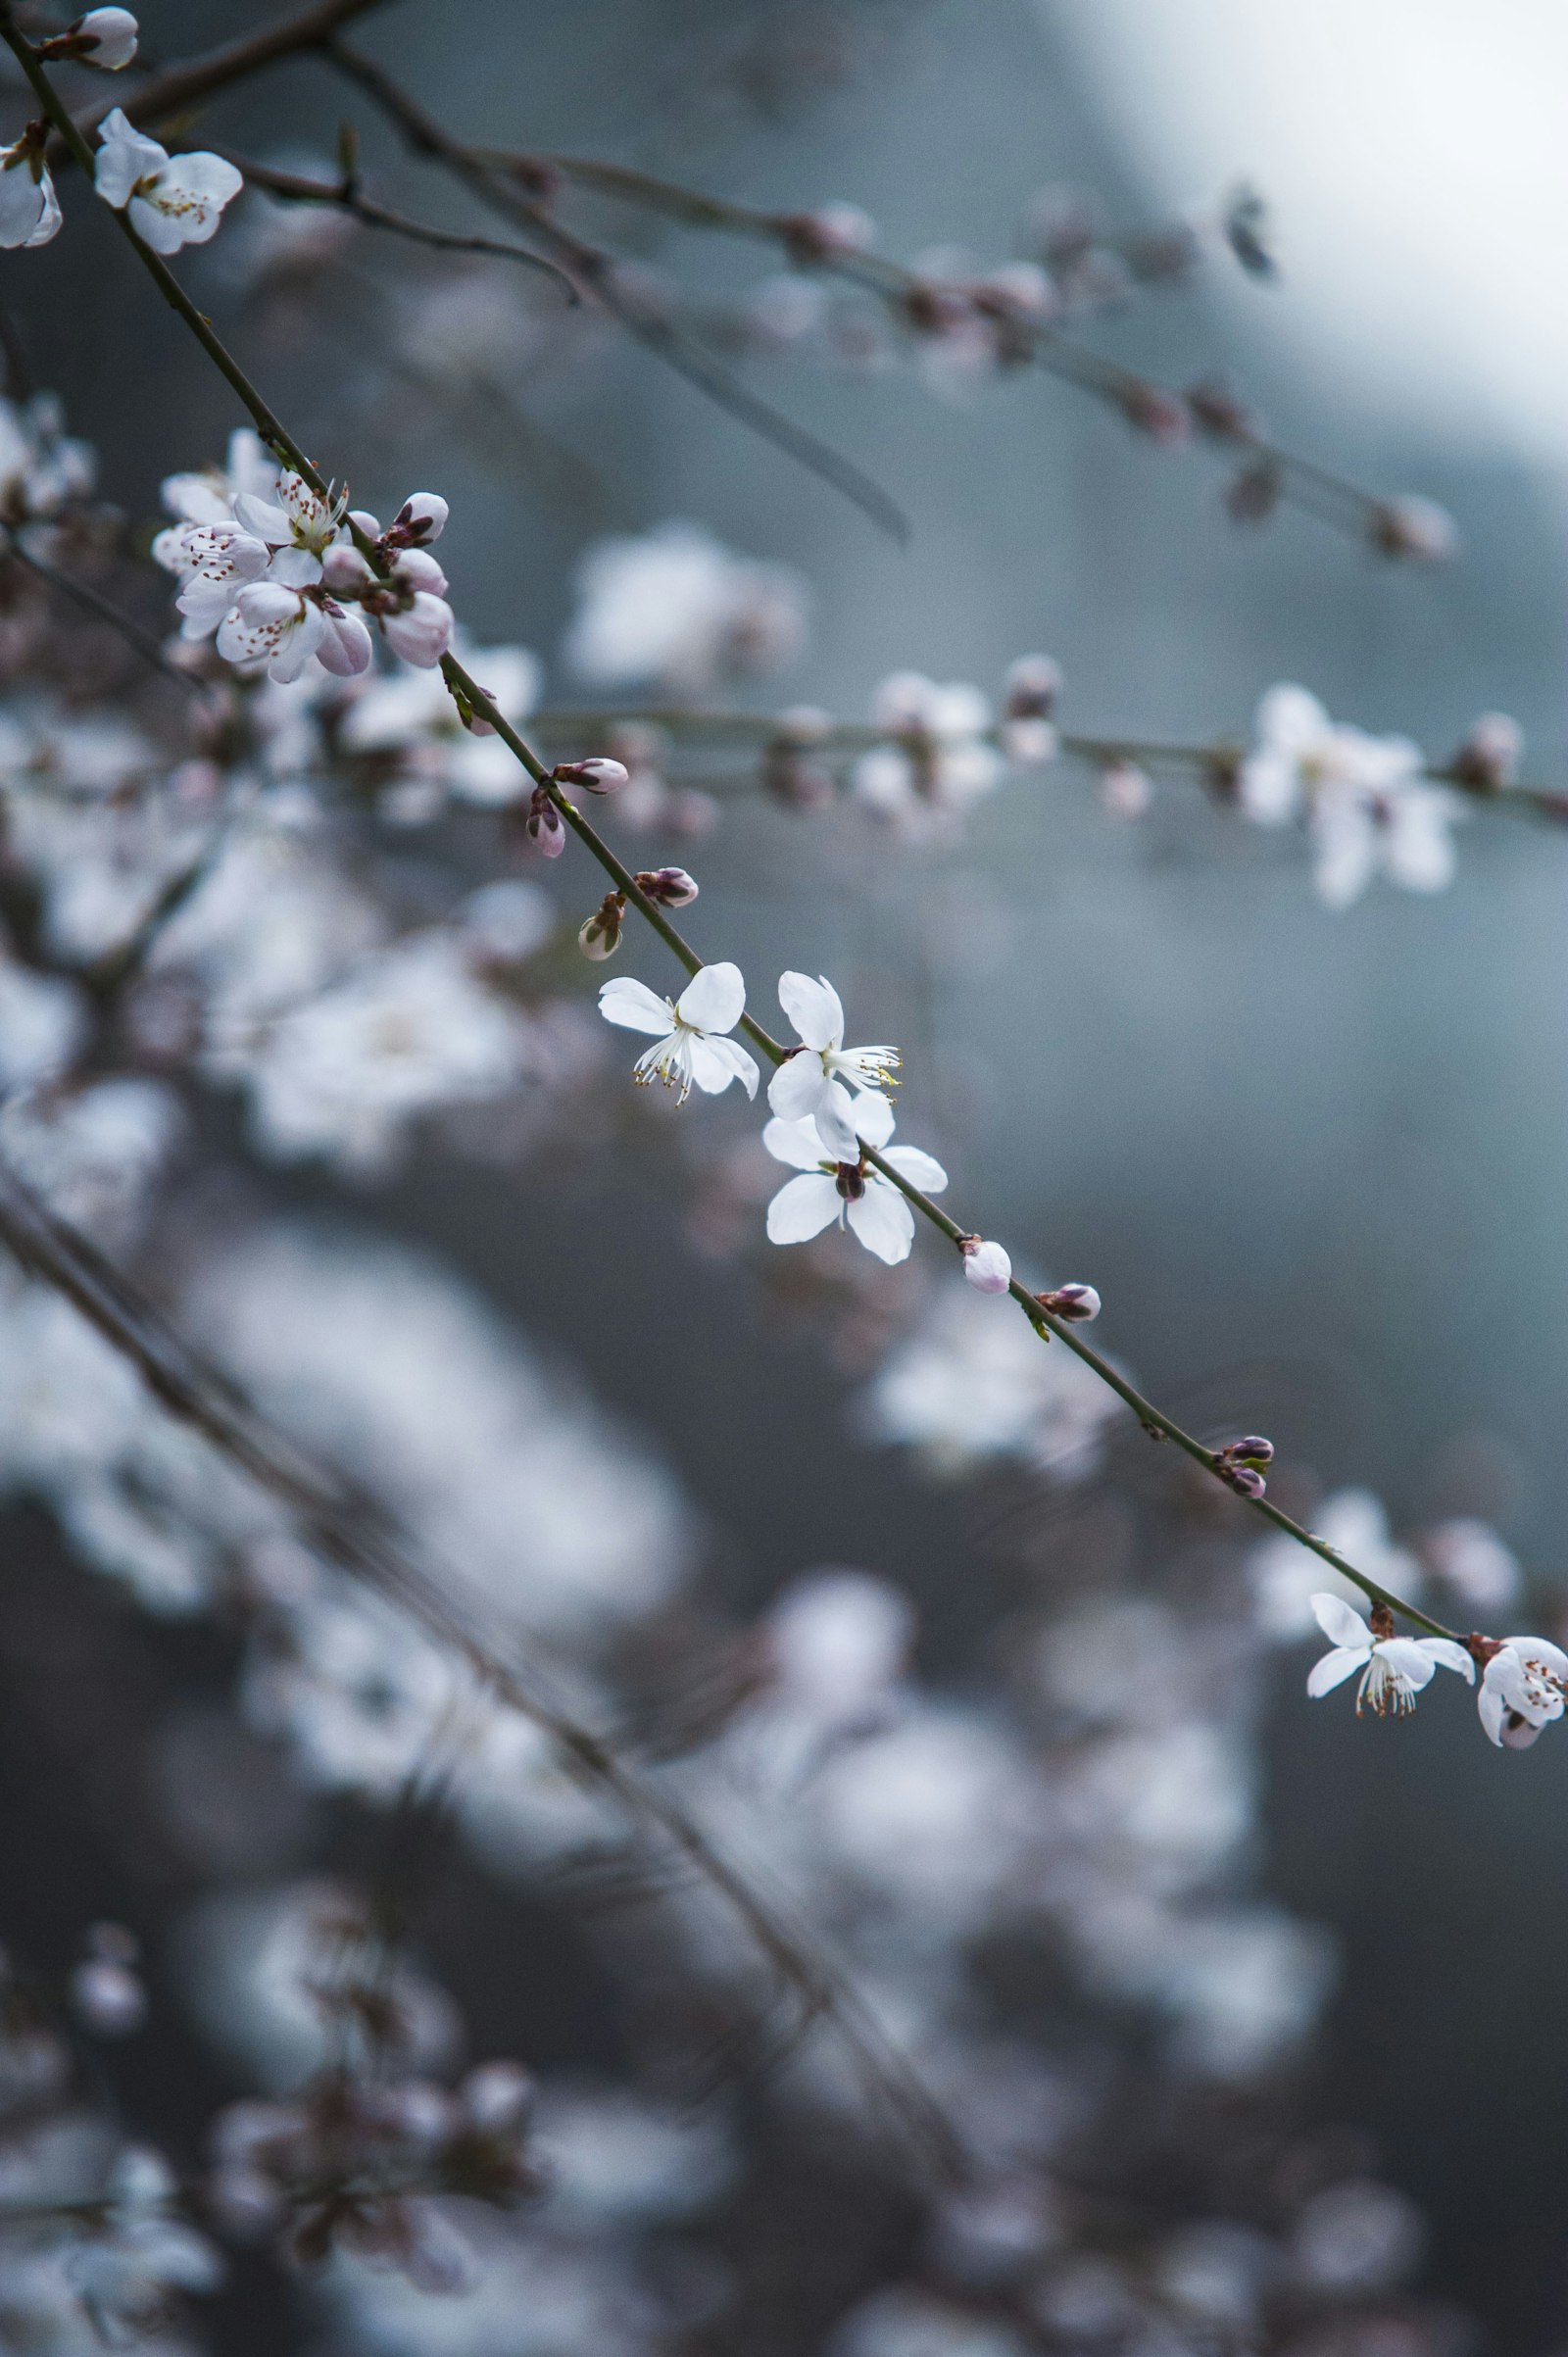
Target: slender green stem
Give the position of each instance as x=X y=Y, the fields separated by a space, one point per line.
x=468 y=692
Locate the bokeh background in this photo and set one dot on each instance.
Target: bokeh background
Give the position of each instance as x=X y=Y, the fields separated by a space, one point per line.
x=1312 y=1160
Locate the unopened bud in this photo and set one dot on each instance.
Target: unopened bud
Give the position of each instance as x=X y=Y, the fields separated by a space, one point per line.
x=1125 y=790
x=1033 y=684
x=600 y=937
x=986 y=1265
x=1217 y=411
x=107 y=37
x=544 y=830
x=789 y=771
x=1078 y=1305
x=850 y=1181
x=420 y=519
x=1245 y=1480
x=1252 y=1450
x=1414 y=528
x=670 y=887
x=827 y=233
x=1488 y=757
x=1149 y=409
x=344 y=570
x=599 y=774
x=1253 y=495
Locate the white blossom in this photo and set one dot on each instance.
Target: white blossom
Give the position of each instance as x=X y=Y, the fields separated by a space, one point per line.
x=410 y=714
x=298 y=525
x=835 y=1185
x=676 y=609
x=937 y=761
x=29 y=210
x=1366 y=806
x=215 y=562
x=1393 y=1669
x=42 y=467
x=1522 y=1690
x=807 y=1083
x=210 y=496
x=690 y=1042
x=282 y=627
x=169 y=201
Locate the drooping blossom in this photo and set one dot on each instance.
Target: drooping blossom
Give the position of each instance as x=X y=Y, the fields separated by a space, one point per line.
x=690 y=1047
x=1393 y=1669
x=29 y=210
x=802 y=1085
x=1522 y=1690
x=835 y=1185
x=169 y=201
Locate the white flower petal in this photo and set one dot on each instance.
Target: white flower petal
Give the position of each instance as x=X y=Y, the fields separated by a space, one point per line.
x=1409 y=1660
x=713 y=999
x=716 y=1062
x=884 y=1223
x=1339 y=1624
x=803 y=1209
x=796 y=1143
x=1334 y=1668
x=836 y=1127
x=1452 y=1656
x=124 y=156
x=922 y=1170
x=634 y=1007
x=797 y=1087
x=814 y=1007
x=1492 y=1706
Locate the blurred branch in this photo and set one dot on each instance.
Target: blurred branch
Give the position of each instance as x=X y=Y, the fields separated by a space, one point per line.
x=93 y=600
x=592 y=267
x=292 y=188
x=1215 y=765
x=362 y=1541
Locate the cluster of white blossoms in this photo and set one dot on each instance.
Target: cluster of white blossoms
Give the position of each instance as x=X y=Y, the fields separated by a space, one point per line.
x=279 y=574
x=1366 y=805
x=831 y=1112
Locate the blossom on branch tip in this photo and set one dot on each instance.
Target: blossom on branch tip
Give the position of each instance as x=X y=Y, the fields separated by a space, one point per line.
x=690 y=1047
x=803 y=1082
x=837 y=1183
x=1522 y=1690
x=169 y=201
x=29 y=210
x=1393 y=1669
x=105 y=37
x=987 y=1266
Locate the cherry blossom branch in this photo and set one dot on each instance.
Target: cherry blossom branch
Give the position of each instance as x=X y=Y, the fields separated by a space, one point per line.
x=595 y=269
x=1213 y=765
x=176 y=88
x=1273 y=471
x=472 y=699
x=361 y=1540
x=345 y=197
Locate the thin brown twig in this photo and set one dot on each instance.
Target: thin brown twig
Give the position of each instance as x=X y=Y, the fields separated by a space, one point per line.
x=92 y=601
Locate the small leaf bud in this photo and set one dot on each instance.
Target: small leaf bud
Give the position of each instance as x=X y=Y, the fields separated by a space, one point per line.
x=600 y=937
x=1078 y=1305
x=599 y=774
x=1488 y=757
x=827 y=233
x=1414 y=528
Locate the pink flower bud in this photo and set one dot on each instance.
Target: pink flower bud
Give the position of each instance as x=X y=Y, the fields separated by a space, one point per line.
x=417 y=569
x=827 y=233
x=1078 y=1305
x=986 y=1265
x=544 y=830
x=418 y=521
x=1415 y=529
x=344 y=570
x=600 y=937
x=599 y=774
x=1254 y=1449
x=1488 y=757
x=367 y=523
x=670 y=887
x=1245 y=1480
x=423 y=633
